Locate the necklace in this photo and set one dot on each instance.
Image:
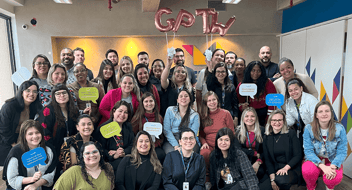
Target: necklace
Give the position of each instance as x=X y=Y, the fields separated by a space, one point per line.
x=277 y=140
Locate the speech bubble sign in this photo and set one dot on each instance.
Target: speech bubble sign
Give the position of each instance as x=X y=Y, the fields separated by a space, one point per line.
x=88 y=93
x=21 y=75
x=248 y=89
x=34 y=157
x=275 y=100
x=153 y=128
x=110 y=130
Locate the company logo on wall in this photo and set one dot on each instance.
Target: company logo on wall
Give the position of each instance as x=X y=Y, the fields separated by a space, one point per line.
x=198 y=56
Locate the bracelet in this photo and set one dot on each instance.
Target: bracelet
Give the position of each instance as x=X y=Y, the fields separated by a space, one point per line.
x=272 y=179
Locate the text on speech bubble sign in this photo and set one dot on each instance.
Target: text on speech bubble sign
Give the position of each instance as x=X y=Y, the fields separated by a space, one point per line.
x=88 y=93
x=110 y=130
x=34 y=157
x=248 y=89
x=275 y=100
x=153 y=128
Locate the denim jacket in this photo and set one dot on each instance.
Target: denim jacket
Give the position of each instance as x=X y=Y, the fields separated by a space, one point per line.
x=336 y=149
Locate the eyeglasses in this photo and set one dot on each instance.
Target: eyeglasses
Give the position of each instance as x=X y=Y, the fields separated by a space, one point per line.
x=80 y=71
x=41 y=64
x=92 y=153
x=220 y=72
x=182 y=72
x=61 y=93
x=188 y=138
x=276 y=120
x=179 y=56
x=29 y=91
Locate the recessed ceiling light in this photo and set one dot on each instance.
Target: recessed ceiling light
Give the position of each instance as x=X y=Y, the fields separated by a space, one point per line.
x=63 y=1
x=231 y=1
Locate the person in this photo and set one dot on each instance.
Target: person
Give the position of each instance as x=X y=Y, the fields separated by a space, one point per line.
x=143 y=58
x=91 y=173
x=129 y=92
x=230 y=58
x=106 y=76
x=179 y=60
x=255 y=73
x=287 y=71
x=218 y=81
x=17 y=176
x=113 y=56
x=25 y=105
x=141 y=169
x=59 y=118
x=239 y=68
x=78 y=54
x=126 y=67
x=271 y=69
x=299 y=106
x=218 y=56
x=57 y=75
x=249 y=138
x=283 y=156
x=325 y=148
x=120 y=145
x=173 y=86
x=156 y=71
x=213 y=118
x=41 y=66
x=147 y=112
x=178 y=117
x=69 y=153
x=144 y=84
x=229 y=166
x=184 y=167
x=86 y=107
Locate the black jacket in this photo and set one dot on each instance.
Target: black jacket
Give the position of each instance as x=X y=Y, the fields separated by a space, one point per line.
x=126 y=176
x=231 y=102
x=174 y=175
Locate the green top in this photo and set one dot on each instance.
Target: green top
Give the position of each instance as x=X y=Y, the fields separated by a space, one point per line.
x=73 y=179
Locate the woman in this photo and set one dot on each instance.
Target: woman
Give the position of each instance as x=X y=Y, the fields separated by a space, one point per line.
x=126 y=67
x=41 y=66
x=213 y=118
x=128 y=92
x=69 y=154
x=249 y=139
x=92 y=172
x=25 y=105
x=57 y=75
x=229 y=166
x=287 y=71
x=15 y=173
x=255 y=73
x=299 y=106
x=283 y=156
x=325 y=148
x=118 y=146
x=141 y=169
x=86 y=107
x=184 y=167
x=144 y=84
x=106 y=76
x=147 y=112
x=59 y=118
x=158 y=67
x=219 y=82
x=238 y=74
x=178 y=117
x=178 y=81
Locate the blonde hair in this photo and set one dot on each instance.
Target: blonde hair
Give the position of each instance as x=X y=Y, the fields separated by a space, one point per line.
x=316 y=125
x=120 y=74
x=269 y=128
x=242 y=129
x=135 y=89
x=187 y=83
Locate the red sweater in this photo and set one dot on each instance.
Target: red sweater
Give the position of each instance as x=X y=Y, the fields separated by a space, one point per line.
x=109 y=100
x=151 y=118
x=221 y=118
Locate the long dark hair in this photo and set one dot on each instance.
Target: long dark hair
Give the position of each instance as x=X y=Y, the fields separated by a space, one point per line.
x=261 y=81
x=227 y=80
x=148 y=85
x=136 y=158
x=185 y=120
x=46 y=61
x=70 y=106
x=212 y=55
x=112 y=79
x=106 y=167
x=151 y=70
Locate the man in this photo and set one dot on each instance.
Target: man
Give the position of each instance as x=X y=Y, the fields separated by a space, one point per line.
x=67 y=58
x=143 y=57
x=113 y=56
x=230 y=58
x=179 y=59
x=272 y=69
x=78 y=54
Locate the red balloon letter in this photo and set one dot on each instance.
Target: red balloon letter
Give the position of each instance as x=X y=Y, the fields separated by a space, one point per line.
x=170 y=21
x=179 y=20
x=205 y=14
x=220 y=28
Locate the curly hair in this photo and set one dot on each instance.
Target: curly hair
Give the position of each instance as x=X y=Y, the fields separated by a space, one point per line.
x=261 y=81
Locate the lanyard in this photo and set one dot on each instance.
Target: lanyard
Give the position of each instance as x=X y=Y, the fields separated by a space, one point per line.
x=249 y=142
x=184 y=167
x=146 y=118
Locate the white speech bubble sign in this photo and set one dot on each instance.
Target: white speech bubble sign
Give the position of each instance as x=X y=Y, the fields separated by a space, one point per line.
x=153 y=128
x=248 y=89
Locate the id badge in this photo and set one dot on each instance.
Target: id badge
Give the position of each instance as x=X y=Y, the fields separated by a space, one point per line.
x=298 y=133
x=185 y=185
x=88 y=105
x=229 y=179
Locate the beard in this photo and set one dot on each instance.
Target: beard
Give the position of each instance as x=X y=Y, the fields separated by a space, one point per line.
x=180 y=62
x=265 y=60
x=67 y=61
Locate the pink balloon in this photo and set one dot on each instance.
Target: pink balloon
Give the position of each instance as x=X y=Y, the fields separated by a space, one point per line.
x=205 y=14
x=170 y=21
x=218 y=27
x=179 y=20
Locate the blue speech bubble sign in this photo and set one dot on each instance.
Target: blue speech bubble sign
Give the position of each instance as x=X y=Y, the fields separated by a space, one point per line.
x=275 y=100
x=34 y=157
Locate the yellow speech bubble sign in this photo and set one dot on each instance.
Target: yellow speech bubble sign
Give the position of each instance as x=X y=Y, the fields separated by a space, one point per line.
x=88 y=93
x=110 y=130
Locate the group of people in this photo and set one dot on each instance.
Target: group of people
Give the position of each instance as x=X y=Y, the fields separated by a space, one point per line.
x=212 y=137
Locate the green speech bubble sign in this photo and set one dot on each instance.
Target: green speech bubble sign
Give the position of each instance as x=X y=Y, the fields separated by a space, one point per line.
x=110 y=130
x=88 y=93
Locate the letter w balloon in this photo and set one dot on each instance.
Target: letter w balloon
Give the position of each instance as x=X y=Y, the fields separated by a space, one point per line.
x=218 y=27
